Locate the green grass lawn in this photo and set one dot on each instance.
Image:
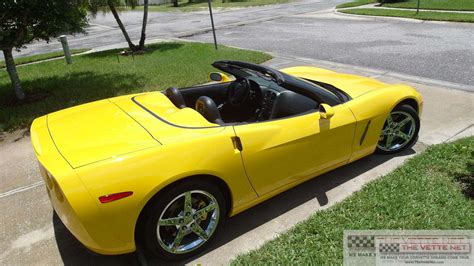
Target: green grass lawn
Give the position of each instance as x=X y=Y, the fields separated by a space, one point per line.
x=423 y=15
x=436 y=4
x=424 y=193
x=202 y=5
x=99 y=75
x=356 y=3
x=35 y=58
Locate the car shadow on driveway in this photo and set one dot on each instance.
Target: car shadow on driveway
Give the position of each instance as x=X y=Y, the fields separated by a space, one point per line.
x=73 y=253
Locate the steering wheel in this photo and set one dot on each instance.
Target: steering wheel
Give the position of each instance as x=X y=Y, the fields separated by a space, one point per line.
x=238 y=92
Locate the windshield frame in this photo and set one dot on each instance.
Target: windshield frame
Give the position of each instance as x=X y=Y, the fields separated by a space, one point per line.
x=308 y=88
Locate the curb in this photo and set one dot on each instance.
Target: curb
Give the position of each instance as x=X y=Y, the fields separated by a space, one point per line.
x=52 y=59
x=372 y=72
x=369 y=71
x=412 y=20
x=377 y=6
x=375 y=73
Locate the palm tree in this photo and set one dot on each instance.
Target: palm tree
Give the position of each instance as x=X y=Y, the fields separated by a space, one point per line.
x=112 y=6
x=141 y=44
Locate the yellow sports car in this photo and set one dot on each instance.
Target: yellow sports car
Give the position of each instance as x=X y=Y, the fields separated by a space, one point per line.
x=161 y=171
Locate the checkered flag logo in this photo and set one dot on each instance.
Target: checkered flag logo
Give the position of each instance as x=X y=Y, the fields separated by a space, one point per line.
x=361 y=241
x=389 y=247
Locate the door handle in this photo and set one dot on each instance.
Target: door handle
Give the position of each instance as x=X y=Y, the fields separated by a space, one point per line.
x=237 y=143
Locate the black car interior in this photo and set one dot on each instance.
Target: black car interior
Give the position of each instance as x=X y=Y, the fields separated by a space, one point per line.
x=208 y=108
x=175 y=97
x=253 y=96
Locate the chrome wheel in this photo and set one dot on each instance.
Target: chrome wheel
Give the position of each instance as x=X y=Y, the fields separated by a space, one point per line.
x=187 y=222
x=398 y=131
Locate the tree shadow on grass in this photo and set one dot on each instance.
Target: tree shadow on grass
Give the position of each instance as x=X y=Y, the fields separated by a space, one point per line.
x=466 y=179
x=62 y=92
x=150 y=49
x=240 y=224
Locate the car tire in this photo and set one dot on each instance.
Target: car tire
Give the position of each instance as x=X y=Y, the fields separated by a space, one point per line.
x=400 y=130
x=156 y=239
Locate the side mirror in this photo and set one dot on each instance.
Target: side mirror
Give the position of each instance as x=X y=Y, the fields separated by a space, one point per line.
x=219 y=77
x=326 y=111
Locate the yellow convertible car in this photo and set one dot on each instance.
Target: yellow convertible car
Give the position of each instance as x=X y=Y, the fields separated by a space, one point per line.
x=161 y=171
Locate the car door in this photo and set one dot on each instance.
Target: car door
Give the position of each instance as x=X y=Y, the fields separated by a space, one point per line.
x=279 y=152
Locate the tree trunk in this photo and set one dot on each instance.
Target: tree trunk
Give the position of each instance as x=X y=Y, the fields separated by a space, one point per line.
x=11 y=69
x=141 y=45
x=121 y=26
x=175 y=3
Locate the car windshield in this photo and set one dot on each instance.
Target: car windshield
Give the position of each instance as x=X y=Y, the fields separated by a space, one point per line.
x=324 y=91
x=313 y=90
x=298 y=85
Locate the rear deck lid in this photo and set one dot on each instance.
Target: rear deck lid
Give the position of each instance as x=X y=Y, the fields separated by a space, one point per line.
x=96 y=131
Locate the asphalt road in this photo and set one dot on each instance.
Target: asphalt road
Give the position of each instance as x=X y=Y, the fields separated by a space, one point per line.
x=310 y=29
x=103 y=30
x=439 y=51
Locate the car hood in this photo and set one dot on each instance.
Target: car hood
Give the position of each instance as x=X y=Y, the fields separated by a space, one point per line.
x=96 y=131
x=353 y=85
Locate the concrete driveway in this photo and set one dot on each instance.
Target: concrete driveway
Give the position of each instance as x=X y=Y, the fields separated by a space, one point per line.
x=31 y=234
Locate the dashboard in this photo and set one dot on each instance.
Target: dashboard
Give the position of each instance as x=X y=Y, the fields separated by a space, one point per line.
x=268 y=101
x=272 y=101
x=263 y=98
